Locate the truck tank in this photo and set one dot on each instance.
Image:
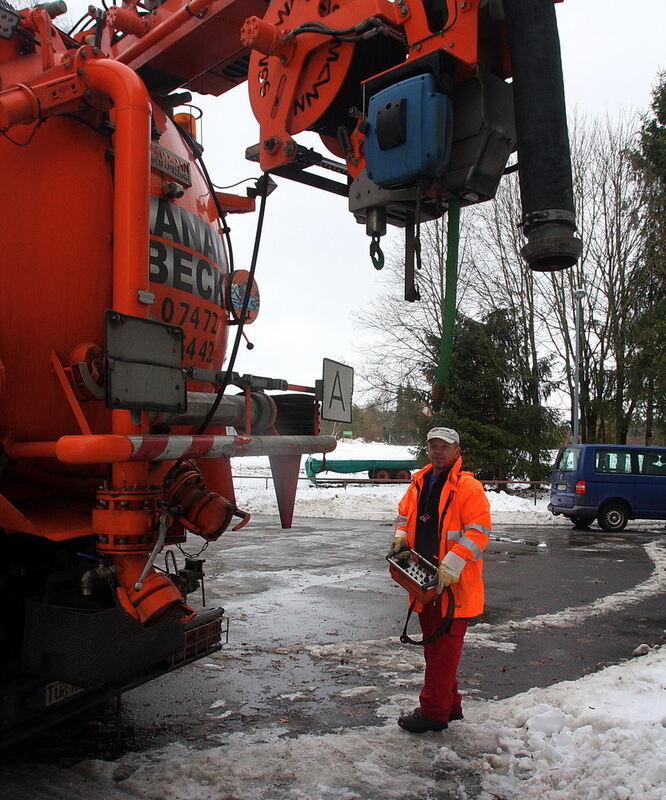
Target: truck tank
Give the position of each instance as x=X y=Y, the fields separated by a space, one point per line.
x=56 y=282
x=56 y=271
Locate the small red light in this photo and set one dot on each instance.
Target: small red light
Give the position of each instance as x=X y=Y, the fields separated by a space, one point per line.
x=580 y=487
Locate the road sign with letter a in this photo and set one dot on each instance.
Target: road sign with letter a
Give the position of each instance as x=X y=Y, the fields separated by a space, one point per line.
x=337 y=389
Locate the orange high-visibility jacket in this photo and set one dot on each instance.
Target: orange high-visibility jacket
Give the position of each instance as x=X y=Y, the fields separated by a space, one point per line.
x=463 y=533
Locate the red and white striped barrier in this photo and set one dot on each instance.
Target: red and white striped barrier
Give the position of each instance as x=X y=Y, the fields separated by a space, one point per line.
x=112 y=448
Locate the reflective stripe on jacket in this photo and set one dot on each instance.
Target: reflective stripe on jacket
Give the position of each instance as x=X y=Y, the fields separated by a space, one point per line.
x=464 y=532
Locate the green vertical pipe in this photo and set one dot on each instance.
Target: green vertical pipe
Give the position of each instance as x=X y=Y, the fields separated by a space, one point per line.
x=449 y=306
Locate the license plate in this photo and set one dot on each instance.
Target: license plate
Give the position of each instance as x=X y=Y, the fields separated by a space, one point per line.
x=58 y=692
x=561 y=487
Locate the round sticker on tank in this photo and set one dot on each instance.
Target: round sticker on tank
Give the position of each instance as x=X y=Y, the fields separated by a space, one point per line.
x=236 y=289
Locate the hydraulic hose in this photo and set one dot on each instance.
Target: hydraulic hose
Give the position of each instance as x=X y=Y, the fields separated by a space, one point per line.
x=449 y=306
x=544 y=159
x=246 y=299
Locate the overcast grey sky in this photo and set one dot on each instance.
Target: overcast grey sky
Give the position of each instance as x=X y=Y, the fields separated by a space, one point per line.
x=314 y=273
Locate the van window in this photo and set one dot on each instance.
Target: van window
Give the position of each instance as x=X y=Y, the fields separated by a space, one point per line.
x=568 y=460
x=616 y=461
x=653 y=463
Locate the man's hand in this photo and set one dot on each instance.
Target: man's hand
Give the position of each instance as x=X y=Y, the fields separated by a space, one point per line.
x=445 y=578
x=399 y=544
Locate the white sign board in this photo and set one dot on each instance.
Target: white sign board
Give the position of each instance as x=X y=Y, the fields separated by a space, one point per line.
x=337 y=389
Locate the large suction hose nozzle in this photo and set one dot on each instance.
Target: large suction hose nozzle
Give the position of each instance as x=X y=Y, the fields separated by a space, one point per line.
x=543 y=141
x=551 y=244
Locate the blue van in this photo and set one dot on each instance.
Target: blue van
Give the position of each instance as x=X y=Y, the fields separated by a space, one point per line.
x=612 y=482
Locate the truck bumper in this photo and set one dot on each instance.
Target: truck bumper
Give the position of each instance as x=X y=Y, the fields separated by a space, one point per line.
x=573 y=511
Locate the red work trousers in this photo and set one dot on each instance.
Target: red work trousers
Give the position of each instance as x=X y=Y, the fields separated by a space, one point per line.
x=440 y=697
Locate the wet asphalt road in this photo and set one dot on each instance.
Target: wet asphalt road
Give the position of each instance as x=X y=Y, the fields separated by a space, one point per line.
x=314 y=621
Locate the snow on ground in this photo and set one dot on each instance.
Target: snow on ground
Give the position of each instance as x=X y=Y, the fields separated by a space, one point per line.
x=254 y=491
x=602 y=737
x=599 y=737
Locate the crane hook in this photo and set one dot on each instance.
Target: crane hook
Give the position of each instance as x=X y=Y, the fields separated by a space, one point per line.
x=376 y=255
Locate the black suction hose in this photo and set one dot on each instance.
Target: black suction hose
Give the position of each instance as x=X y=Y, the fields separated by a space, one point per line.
x=544 y=159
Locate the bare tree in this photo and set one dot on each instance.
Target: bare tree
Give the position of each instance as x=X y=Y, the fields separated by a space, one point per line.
x=609 y=213
x=502 y=280
x=407 y=335
x=609 y=216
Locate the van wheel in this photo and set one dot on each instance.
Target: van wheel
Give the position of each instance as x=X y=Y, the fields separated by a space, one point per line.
x=613 y=517
x=581 y=522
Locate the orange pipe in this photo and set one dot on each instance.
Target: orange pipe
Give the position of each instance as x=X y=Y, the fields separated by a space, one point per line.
x=131 y=179
x=162 y=29
x=296 y=388
x=130 y=210
x=17 y=104
x=31 y=449
x=112 y=448
x=101 y=449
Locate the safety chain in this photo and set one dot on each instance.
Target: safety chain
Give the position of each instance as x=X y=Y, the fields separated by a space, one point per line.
x=193 y=555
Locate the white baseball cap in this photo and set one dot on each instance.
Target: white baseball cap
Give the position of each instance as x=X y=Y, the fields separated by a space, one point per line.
x=445 y=434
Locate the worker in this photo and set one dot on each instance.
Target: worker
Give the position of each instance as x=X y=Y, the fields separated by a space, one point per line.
x=445 y=517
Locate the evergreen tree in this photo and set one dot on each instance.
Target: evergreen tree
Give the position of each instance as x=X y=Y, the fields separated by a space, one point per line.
x=408 y=414
x=649 y=363
x=370 y=422
x=503 y=433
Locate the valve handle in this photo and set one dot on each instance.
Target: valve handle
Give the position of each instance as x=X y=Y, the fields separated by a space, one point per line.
x=245 y=518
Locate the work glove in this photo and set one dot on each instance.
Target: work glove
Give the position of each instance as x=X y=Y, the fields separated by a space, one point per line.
x=445 y=578
x=398 y=544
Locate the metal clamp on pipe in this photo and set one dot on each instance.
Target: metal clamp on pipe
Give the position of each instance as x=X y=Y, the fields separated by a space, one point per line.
x=551 y=242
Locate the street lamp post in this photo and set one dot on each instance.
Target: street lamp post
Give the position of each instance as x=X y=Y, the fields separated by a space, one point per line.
x=578 y=294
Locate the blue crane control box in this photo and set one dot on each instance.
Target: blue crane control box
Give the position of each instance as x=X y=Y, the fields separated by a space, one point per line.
x=408 y=133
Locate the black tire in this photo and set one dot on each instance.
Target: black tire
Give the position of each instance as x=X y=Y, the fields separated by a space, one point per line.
x=402 y=475
x=382 y=475
x=613 y=517
x=581 y=523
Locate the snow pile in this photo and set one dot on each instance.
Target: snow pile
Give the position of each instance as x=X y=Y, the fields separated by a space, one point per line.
x=346 y=449
x=600 y=737
x=357 y=448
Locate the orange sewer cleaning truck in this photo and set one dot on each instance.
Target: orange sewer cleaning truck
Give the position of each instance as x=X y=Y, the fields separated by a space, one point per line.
x=120 y=409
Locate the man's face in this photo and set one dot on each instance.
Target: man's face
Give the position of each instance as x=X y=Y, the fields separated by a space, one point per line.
x=442 y=454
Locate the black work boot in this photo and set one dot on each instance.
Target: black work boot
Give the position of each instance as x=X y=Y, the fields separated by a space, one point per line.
x=456 y=715
x=417 y=722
